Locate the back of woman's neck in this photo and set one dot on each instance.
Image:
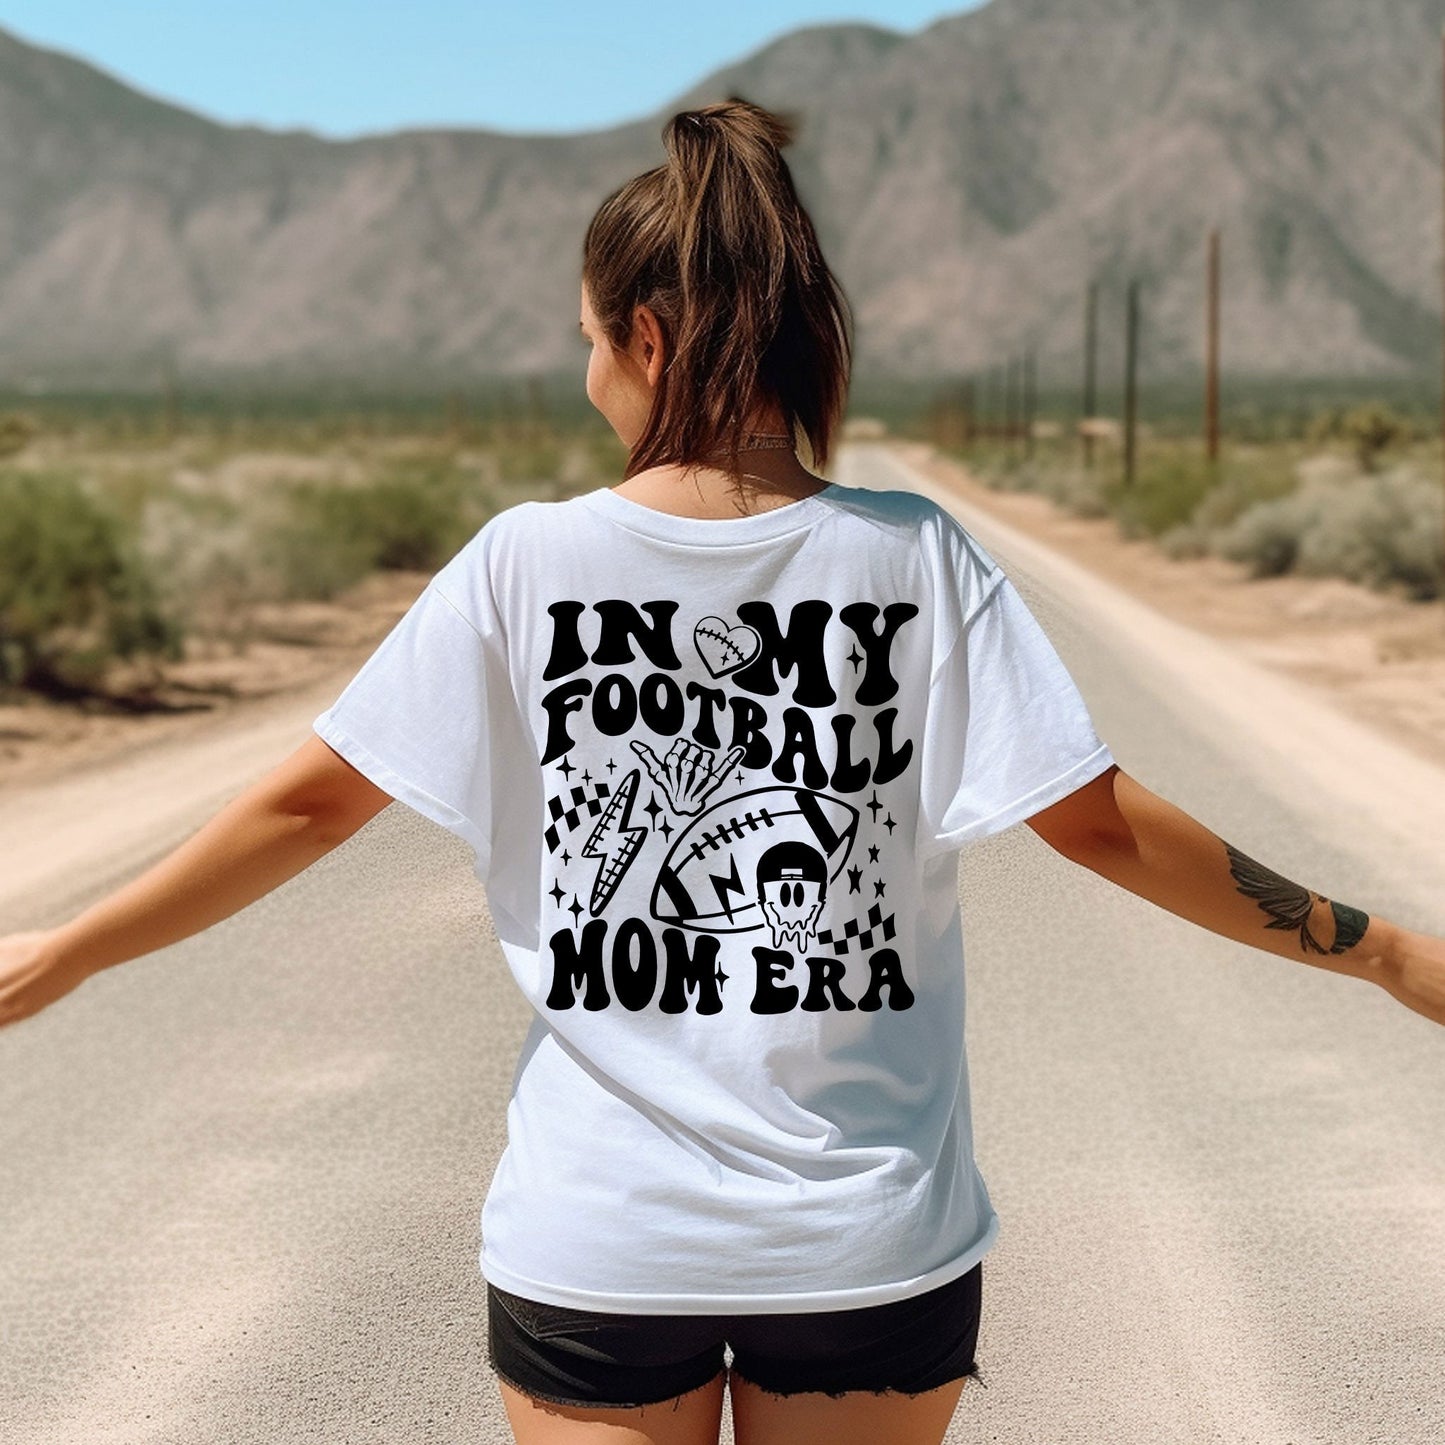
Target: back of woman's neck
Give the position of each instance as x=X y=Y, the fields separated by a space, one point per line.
x=704 y=491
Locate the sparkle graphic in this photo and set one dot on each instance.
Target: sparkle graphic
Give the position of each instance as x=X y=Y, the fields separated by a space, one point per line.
x=855 y=657
x=565 y=768
x=557 y=891
x=874 y=806
x=889 y=823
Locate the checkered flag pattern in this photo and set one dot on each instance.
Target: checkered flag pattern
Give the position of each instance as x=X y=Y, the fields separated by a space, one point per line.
x=569 y=806
x=867 y=937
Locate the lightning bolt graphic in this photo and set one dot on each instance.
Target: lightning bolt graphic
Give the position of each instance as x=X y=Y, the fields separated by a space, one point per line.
x=723 y=887
x=613 y=842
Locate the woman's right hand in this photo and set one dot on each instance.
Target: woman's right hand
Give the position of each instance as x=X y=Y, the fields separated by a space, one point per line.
x=33 y=975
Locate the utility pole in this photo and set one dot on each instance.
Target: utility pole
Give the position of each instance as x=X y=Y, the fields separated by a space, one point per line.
x=1030 y=383
x=1131 y=374
x=170 y=397
x=1010 y=403
x=1211 y=355
x=1091 y=355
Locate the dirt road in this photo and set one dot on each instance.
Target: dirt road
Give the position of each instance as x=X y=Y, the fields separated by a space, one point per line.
x=243 y=1175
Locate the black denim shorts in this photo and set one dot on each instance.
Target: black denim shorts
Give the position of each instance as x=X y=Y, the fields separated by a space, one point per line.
x=584 y=1357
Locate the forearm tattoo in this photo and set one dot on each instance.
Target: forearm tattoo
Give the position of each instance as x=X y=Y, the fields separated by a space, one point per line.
x=1289 y=906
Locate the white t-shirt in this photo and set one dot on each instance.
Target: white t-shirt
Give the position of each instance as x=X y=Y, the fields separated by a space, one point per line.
x=716 y=774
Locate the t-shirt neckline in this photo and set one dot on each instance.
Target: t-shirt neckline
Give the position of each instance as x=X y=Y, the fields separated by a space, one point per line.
x=711 y=531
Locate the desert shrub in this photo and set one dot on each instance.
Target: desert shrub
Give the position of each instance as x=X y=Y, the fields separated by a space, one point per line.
x=1380 y=530
x=1326 y=425
x=1245 y=478
x=1079 y=490
x=1185 y=539
x=201 y=547
x=529 y=459
x=1265 y=538
x=75 y=591
x=1167 y=488
x=16 y=433
x=331 y=535
x=1371 y=429
x=1014 y=474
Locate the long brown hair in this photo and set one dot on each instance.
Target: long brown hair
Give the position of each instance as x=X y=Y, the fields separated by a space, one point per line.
x=717 y=244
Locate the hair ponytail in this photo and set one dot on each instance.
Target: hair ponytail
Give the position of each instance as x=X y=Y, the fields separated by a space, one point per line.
x=717 y=244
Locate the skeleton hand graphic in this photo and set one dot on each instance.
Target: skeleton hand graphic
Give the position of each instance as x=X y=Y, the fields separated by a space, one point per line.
x=686 y=775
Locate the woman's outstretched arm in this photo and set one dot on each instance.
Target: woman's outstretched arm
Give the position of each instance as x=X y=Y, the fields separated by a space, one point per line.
x=304 y=807
x=1115 y=826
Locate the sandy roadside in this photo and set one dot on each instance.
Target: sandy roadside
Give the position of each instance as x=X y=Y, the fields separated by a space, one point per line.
x=1378 y=658
x=88 y=799
x=293 y=646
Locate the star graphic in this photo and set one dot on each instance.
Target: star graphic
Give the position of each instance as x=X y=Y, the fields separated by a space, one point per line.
x=889 y=823
x=878 y=889
x=574 y=907
x=666 y=828
x=586 y=776
x=556 y=891
x=855 y=657
x=874 y=806
x=854 y=874
x=565 y=768
x=566 y=856
x=653 y=808
x=722 y=977
x=611 y=766
x=872 y=852
x=740 y=777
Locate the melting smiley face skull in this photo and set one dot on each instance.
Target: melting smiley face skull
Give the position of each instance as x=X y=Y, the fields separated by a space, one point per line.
x=792 y=883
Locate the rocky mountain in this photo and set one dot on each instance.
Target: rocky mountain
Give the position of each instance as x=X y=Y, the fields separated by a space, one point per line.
x=966 y=180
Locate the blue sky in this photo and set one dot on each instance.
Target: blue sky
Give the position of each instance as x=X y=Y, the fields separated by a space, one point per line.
x=346 y=67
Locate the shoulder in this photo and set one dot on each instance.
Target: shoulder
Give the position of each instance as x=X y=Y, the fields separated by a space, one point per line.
x=480 y=570
x=955 y=557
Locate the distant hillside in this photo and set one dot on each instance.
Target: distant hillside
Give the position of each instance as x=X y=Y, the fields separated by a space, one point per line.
x=966 y=180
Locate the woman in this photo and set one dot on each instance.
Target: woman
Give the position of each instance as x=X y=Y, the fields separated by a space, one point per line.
x=715 y=736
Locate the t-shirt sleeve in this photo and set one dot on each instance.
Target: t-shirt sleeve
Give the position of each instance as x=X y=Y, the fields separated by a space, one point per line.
x=414 y=719
x=1007 y=731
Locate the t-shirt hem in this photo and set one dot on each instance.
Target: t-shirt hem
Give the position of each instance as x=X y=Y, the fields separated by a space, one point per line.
x=1061 y=786
x=390 y=781
x=723 y=1304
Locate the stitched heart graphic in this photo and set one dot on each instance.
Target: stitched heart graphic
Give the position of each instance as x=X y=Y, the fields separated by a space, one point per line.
x=724 y=649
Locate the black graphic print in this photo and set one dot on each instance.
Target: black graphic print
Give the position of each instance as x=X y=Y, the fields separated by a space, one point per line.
x=613 y=843
x=745 y=830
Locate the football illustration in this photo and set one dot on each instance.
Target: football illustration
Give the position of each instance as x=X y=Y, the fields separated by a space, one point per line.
x=709 y=879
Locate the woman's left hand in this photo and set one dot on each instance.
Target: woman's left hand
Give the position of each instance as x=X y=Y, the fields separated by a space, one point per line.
x=1414 y=973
